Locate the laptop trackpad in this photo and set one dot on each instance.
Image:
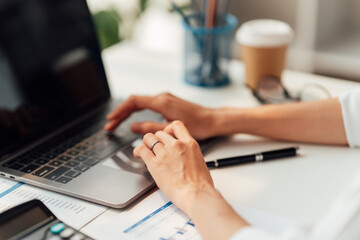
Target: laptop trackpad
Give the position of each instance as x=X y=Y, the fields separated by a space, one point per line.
x=124 y=160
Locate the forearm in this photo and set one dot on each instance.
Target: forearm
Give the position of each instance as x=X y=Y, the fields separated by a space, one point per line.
x=213 y=216
x=313 y=122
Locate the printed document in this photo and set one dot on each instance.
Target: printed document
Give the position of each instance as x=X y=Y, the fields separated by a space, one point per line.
x=155 y=217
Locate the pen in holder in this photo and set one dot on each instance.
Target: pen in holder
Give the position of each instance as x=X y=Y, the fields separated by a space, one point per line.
x=208 y=51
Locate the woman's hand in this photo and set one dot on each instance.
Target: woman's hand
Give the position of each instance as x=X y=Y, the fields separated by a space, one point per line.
x=175 y=162
x=199 y=120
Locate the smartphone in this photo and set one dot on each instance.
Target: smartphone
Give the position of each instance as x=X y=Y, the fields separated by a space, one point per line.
x=33 y=220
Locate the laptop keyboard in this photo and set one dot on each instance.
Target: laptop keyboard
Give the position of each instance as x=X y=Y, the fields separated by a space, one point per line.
x=63 y=160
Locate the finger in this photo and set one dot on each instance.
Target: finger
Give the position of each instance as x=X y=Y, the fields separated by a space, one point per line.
x=149 y=140
x=165 y=138
x=111 y=125
x=178 y=129
x=139 y=127
x=147 y=127
x=130 y=105
x=144 y=153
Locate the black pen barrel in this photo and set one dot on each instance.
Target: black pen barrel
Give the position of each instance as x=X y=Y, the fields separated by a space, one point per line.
x=236 y=160
x=259 y=157
x=282 y=153
x=231 y=161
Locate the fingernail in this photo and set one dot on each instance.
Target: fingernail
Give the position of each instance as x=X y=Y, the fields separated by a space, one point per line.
x=107 y=126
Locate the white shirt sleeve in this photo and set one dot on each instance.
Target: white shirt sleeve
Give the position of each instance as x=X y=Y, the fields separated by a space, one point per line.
x=251 y=233
x=350 y=105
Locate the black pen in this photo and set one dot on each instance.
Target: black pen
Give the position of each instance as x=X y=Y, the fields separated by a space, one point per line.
x=258 y=157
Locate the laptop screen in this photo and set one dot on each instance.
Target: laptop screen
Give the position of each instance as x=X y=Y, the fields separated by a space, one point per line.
x=50 y=68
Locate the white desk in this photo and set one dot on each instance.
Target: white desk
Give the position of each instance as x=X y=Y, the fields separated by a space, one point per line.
x=301 y=189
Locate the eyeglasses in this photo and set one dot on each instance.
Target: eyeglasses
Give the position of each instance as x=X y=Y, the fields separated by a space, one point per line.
x=270 y=91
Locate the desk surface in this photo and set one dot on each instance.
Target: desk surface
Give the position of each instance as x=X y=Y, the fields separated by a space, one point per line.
x=301 y=189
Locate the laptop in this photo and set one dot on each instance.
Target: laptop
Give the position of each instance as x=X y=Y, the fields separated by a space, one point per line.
x=54 y=97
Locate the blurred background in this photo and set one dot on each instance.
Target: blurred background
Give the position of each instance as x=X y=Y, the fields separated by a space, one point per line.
x=327 y=32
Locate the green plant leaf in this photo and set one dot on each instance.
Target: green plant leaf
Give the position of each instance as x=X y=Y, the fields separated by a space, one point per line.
x=143 y=4
x=107 y=26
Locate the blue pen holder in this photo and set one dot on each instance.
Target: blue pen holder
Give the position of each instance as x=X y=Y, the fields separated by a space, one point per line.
x=208 y=51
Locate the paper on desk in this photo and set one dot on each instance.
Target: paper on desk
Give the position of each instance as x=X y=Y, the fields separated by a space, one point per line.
x=157 y=218
x=72 y=211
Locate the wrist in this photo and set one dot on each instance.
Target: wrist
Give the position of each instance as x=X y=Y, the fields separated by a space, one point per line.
x=228 y=121
x=213 y=216
x=210 y=119
x=197 y=197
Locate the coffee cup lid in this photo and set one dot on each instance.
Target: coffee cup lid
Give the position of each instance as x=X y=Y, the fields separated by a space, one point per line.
x=264 y=33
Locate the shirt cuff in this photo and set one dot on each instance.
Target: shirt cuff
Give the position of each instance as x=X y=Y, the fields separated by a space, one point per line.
x=251 y=233
x=350 y=105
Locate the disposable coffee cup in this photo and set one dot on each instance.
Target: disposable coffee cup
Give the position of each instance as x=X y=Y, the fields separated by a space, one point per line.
x=264 y=44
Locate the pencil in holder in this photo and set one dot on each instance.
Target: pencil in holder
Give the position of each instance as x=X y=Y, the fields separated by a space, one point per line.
x=208 y=51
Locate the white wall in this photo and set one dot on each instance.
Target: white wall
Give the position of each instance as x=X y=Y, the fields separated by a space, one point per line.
x=332 y=17
x=353 y=13
x=284 y=10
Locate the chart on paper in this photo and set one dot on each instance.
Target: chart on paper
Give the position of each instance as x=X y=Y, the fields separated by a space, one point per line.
x=165 y=223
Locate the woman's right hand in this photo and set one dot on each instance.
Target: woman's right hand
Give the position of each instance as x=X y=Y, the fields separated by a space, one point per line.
x=174 y=160
x=197 y=119
x=176 y=163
